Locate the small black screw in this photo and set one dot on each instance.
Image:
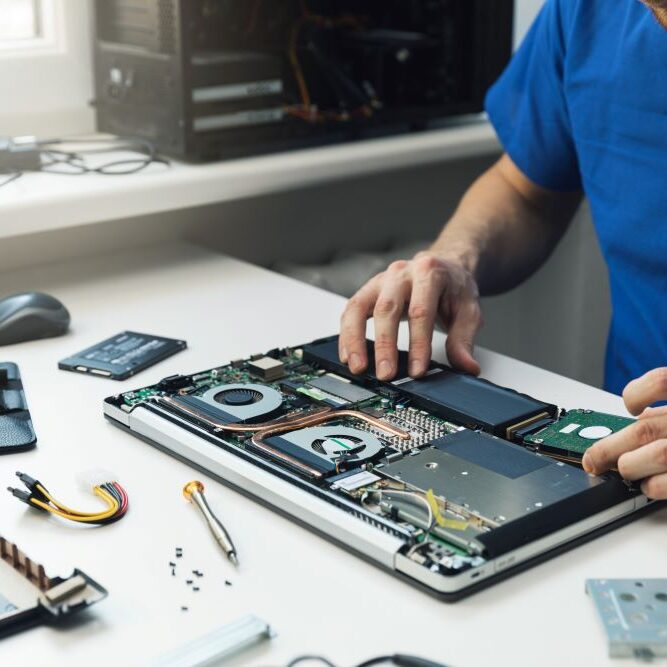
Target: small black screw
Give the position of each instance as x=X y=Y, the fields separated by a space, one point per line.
x=173 y=572
x=195 y=588
x=184 y=608
x=227 y=582
x=188 y=581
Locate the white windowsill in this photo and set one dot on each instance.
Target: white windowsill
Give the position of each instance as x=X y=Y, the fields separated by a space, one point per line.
x=43 y=202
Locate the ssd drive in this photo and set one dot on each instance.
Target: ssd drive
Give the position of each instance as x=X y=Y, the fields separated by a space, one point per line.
x=123 y=355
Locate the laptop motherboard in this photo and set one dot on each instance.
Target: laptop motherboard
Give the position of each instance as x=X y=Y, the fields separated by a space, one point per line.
x=455 y=466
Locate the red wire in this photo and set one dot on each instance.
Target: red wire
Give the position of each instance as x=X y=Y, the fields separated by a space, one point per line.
x=125 y=504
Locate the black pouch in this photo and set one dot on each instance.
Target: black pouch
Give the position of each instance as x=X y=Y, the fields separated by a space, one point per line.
x=16 y=431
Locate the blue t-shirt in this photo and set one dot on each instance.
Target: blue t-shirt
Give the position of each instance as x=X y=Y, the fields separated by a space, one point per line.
x=583 y=104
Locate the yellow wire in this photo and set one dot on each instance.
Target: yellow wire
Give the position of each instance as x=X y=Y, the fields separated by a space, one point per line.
x=61 y=506
x=454 y=524
x=89 y=518
x=72 y=517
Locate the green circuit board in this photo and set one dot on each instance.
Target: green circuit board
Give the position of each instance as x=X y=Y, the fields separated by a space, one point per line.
x=300 y=396
x=576 y=431
x=399 y=463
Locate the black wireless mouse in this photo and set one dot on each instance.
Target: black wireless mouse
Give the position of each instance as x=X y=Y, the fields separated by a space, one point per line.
x=30 y=316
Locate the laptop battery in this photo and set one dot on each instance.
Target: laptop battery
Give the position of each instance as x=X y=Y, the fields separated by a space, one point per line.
x=463 y=399
x=474 y=402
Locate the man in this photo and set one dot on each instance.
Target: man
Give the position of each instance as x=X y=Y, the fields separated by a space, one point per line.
x=582 y=108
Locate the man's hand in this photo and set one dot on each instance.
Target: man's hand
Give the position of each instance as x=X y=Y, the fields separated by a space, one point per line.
x=429 y=288
x=639 y=451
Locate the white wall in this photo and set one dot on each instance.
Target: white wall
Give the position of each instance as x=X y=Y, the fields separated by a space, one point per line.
x=524 y=13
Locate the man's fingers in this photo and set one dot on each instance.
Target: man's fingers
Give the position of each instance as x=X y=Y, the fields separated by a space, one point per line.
x=428 y=282
x=646 y=390
x=644 y=462
x=387 y=315
x=352 y=340
x=654 y=412
x=461 y=336
x=655 y=487
x=604 y=454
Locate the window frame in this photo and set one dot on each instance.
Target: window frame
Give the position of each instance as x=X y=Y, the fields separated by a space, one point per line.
x=49 y=17
x=48 y=81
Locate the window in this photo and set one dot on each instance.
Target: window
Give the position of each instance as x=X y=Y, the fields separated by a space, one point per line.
x=27 y=25
x=46 y=67
x=20 y=19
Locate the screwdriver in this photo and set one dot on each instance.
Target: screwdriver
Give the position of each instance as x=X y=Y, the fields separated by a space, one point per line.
x=194 y=492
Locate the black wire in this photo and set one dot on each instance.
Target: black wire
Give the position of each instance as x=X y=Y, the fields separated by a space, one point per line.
x=405 y=660
x=73 y=163
x=378 y=661
x=306 y=658
x=76 y=160
x=114 y=144
x=401 y=661
x=111 y=489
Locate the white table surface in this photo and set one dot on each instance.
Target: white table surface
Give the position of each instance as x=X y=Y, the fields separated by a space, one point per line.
x=319 y=598
x=39 y=202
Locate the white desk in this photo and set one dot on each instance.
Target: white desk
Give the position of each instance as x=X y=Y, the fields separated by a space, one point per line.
x=319 y=598
x=43 y=202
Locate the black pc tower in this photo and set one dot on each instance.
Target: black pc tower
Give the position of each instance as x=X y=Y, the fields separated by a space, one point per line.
x=216 y=79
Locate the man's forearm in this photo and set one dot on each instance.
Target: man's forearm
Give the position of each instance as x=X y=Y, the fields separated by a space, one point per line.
x=505 y=227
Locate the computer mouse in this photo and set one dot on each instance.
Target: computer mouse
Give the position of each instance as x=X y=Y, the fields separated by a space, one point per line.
x=30 y=316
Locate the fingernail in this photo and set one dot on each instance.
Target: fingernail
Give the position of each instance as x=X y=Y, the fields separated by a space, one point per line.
x=343 y=355
x=415 y=368
x=384 y=369
x=586 y=463
x=355 y=361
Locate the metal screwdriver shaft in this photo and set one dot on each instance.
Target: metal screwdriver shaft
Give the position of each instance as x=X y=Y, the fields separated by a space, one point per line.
x=194 y=492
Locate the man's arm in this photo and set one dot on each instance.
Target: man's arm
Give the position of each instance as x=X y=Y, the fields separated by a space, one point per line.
x=503 y=230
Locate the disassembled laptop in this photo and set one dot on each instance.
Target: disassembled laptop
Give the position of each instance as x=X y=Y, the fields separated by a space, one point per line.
x=448 y=480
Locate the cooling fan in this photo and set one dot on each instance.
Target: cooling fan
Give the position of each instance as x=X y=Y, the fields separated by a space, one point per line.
x=237 y=397
x=326 y=448
x=236 y=403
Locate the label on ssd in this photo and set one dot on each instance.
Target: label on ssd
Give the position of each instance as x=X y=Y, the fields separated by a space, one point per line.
x=123 y=355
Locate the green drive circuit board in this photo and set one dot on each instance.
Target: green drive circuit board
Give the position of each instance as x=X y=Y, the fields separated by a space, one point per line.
x=575 y=432
x=402 y=457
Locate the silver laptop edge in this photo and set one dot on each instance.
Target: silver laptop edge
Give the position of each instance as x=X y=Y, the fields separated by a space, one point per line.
x=345 y=528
